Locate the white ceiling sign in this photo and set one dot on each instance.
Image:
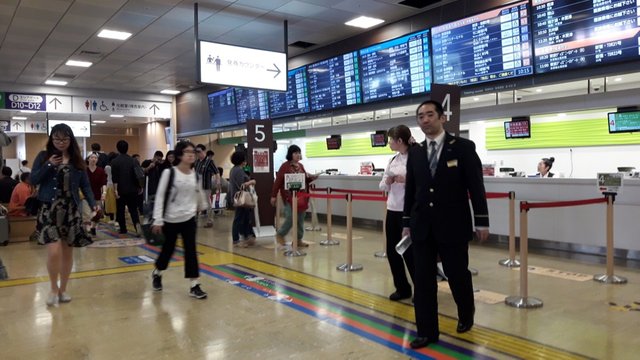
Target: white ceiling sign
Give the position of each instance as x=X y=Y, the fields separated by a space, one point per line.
x=79 y=128
x=35 y=126
x=17 y=126
x=58 y=103
x=104 y=106
x=244 y=67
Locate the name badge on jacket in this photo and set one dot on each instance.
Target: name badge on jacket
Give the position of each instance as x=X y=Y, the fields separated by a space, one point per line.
x=452 y=163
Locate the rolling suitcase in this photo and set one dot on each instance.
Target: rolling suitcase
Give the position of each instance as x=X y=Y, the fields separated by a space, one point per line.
x=4 y=231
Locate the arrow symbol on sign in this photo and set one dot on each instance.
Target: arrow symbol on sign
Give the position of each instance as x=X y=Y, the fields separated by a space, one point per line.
x=17 y=125
x=154 y=107
x=55 y=102
x=277 y=70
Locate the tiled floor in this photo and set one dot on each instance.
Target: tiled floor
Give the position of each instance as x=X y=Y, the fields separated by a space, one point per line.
x=265 y=305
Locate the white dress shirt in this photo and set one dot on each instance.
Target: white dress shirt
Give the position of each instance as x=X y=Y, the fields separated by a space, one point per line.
x=397 y=166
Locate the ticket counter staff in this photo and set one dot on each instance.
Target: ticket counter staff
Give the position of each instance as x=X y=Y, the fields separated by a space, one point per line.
x=544 y=167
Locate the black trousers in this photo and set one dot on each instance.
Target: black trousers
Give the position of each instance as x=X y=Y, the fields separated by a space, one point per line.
x=188 y=231
x=393 y=227
x=131 y=202
x=455 y=261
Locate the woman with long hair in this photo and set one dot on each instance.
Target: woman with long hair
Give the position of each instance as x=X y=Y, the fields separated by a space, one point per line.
x=60 y=173
x=242 y=218
x=98 y=180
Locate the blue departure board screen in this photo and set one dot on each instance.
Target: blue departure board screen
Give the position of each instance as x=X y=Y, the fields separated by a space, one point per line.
x=571 y=34
x=222 y=108
x=251 y=104
x=396 y=67
x=295 y=100
x=490 y=46
x=335 y=82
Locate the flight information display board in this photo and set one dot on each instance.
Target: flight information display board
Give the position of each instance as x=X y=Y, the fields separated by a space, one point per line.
x=490 y=46
x=334 y=82
x=222 y=108
x=295 y=100
x=396 y=67
x=570 y=34
x=251 y=104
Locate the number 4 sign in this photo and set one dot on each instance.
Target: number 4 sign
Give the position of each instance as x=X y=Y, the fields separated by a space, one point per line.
x=449 y=97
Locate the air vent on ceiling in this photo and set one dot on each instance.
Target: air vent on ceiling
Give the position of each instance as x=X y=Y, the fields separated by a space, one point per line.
x=418 y=4
x=302 y=44
x=89 y=53
x=58 y=76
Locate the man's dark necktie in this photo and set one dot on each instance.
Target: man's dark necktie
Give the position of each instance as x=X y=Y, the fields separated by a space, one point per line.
x=433 y=158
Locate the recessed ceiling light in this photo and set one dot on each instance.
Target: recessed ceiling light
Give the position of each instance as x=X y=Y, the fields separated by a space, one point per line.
x=28 y=111
x=116 y=115
x=364 y=22
x=538 y=90
x=617 y=79
x=476 y=99
x=99 y=121
x=78 y=63
x=56 y=82
x=112 y=34
x=19 y=118
x=170 y=92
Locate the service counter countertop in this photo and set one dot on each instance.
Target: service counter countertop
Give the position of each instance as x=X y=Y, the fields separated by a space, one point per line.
x=582 y=225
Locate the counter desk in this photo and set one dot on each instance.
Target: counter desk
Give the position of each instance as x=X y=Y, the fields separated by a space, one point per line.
x=579 y=228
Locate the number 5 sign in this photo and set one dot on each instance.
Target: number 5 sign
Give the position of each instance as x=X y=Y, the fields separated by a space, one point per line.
x=449 y=97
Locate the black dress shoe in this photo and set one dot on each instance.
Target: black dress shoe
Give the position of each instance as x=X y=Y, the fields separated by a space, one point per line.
x=464 y=327
x=421 y=342
x=397 y=296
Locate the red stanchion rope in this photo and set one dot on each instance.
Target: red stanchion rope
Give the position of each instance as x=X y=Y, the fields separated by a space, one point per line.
x=318 y=189
x=526 y=205
x=369 y=198
x=495 y=195
x=367 y=192
x=324 y=196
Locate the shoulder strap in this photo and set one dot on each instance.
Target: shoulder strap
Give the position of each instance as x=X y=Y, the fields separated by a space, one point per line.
x=167 y=192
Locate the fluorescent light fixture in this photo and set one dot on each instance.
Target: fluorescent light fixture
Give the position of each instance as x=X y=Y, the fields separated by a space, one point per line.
x=364 y=22
x=112 y=34
x=618 y=79
x=28 y=111
x=476 y=99
x=19 y=118
x=116 y=115
x=78 y=63
x=538 y=90
x=99 y=121
x=55 y=82
x=170 y=92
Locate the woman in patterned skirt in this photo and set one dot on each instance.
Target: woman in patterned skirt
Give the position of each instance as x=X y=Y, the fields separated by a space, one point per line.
x=60 y=172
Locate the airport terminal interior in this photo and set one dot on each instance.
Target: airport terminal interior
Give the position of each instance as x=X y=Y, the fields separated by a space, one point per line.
x=536 y=79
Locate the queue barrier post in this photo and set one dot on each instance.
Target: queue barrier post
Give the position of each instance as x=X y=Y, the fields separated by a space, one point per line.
x=294 y=229
x=349 y=265
x=609 y=277
x=314 y=213
x=383 y=253
x=329 y=241
x=523 y=300
x=511 y=261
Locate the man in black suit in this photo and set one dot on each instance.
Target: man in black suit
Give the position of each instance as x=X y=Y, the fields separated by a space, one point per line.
x=442 y=175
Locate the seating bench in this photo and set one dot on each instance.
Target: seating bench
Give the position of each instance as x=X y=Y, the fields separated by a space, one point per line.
x=21 y=228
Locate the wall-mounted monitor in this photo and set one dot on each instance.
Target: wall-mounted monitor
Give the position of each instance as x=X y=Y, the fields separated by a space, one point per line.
x=334 y=82
x=571 y=34
x=489 y=46
x=295 y=100
x=620 y=122
x=222 y=108
x=396 y=68
x=379 y=139
x=334 y=142
x=517 y=128
x=79 y=128
x=251 y=104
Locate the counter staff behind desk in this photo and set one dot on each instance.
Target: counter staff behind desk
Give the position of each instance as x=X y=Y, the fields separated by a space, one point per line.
x=544 y=166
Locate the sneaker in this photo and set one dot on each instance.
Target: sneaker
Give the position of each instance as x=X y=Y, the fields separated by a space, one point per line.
x=280 y=239
x=240 y=244
x=197 y=293
x=251 y=240
x=156 y=282
x=64 y=297
x=52 y=299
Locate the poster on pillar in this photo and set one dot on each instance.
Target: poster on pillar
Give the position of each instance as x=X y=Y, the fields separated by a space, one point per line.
x=260 y=157
x=449 y=97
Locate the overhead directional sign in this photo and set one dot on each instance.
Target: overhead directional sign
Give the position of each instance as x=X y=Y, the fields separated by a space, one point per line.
x=104 y=106
x=32 y=102
x=243 y=67
x=58 y=103
x=79 y=128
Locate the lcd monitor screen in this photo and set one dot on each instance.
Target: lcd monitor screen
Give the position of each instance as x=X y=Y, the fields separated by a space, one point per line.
x=624 y=121
x=334 y=142
x=334 y=82
x=251 y=104
x=222 y=108
x=518 y=128
x=571 y=34
x=396 y=68
x=379 y=140
x=295 y=100
x=490 y=46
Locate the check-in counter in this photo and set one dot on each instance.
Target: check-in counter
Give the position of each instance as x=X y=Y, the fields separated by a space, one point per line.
x=575 y=226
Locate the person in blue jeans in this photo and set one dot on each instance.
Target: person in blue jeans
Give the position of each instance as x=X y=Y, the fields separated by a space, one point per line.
x=238 y=179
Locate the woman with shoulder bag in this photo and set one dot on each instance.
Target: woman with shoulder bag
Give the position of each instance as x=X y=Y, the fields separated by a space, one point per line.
x=60 y=173
x=239 y=180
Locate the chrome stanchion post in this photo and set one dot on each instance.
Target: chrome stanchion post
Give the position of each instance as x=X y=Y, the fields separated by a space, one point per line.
x=383 y=253
x=294 y=229
x=314 y=214
x=609 y=277
x=523 y=301
x=349 y=265
x=329 y=241
x=511 y=261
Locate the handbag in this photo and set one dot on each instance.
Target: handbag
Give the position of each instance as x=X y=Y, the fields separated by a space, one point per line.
x=243 y=198
x=32 y=205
